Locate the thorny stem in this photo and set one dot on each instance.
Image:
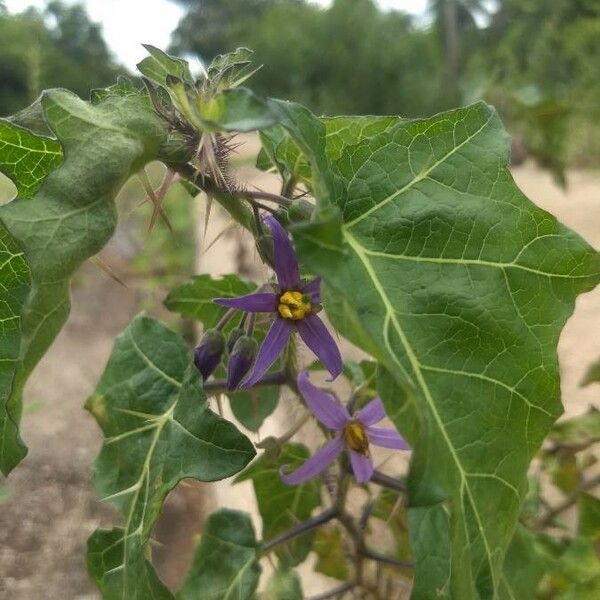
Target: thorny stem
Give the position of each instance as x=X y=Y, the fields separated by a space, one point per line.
x=312 y=523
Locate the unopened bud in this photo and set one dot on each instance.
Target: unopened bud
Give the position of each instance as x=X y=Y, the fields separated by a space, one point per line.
x=208 y=353
x=233 y=337
x=240 y=361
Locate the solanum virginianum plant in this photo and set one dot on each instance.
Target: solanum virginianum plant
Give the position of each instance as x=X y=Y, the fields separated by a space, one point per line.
x=414 y=242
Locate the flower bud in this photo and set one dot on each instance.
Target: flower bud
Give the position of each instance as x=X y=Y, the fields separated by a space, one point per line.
x=208 y=353
x=233 y=337
x=240 y=361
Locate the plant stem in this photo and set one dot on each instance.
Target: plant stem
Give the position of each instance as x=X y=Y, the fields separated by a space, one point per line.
x=388 y=482
x=217 y=386
x=341 y=589
x=387 y=560
x=569 y=501
x=324 y=517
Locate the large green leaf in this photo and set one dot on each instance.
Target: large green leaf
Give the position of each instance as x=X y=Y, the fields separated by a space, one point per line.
x=225 y=565
x=26 y=158
x=158 y=430
x=69 y=219
x=436 y=264
x=282 y=506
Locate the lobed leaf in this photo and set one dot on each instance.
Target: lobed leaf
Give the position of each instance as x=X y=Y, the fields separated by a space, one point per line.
x=68 y=220
x=158 y=430
x=436 y=264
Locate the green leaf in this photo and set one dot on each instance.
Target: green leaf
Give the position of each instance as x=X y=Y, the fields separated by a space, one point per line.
x=329 y=548
x=225 y=565
x=391 y=508
x=284 y=584
x=26 y=158
x=282 y=506
x=194 y=299
x=252 y=407
x=582 y=430
x=159 y=65
x=158 y=430
x=524 y=566
x=239 y=109
x=15 y=278
x=592 y=375
x=280 y=150
x=436 y=264
x=68 y=220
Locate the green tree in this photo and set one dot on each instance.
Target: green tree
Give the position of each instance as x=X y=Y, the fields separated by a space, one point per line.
x=57 y=47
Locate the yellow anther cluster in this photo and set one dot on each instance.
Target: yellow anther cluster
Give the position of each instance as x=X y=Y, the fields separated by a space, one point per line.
x=294 y=305
x=356 y=437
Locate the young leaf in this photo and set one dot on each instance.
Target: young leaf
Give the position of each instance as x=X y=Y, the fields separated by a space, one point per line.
x=282 y=506
x=69 y=219
x=159 y=65
x=225 y=565
x=436 y=264
x=158 y=430
x=26 y=158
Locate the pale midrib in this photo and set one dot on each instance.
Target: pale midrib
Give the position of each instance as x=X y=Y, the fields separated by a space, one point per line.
x=422 y=175
x=416 y=367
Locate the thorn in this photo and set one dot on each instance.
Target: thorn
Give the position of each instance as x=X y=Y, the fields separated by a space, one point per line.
x=96 y=260
x=228 y=227
x=156 y=197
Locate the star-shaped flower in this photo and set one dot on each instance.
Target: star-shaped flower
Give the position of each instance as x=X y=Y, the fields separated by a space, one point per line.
x=294 y=308
x=352 y=433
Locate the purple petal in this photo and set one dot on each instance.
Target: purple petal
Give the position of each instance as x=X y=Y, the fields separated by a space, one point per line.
x=313 y=289
x=317 y=337
x=362 y=466
x=324 y=406
x=271 y=348
x=316 y=464
x=371 y=413
x=387 y=438
x=260 y=302
x=286 y=263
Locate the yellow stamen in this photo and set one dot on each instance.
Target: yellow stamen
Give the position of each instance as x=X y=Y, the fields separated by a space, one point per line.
x=356 y=437
x=294 y=306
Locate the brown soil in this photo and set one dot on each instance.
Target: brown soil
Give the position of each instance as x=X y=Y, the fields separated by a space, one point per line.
x=51 y=508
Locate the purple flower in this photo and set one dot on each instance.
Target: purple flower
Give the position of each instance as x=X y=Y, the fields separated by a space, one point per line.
x=352 y=433
x=293 y=307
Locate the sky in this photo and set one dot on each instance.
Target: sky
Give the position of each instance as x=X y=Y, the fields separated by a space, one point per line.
x=127 y=24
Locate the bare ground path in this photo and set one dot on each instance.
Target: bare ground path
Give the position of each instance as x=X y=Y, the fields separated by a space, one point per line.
x=51 y=507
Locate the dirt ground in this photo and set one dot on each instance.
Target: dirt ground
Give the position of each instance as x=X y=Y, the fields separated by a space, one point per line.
x=48 y=507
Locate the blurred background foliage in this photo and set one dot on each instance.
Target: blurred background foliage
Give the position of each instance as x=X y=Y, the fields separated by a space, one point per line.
x=536 y=60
